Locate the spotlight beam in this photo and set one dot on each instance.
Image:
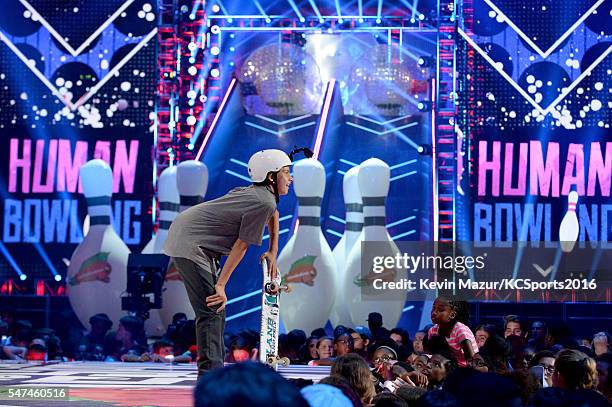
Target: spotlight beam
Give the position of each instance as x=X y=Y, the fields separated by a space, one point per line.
x=296 y=10
x=11 y=260
x=261 y=9
x=338 y=11
x=316 y=9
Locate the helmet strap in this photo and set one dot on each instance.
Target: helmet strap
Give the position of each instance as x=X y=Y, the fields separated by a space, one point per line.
x=274 y=183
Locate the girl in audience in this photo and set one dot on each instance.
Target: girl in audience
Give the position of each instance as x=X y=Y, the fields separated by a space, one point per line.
x=450 y=319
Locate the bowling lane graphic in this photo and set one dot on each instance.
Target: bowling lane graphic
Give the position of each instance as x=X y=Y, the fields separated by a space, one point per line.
x=97 y=273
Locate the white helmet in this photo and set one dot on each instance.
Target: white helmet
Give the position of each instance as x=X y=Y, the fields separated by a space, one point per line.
x=265 y=161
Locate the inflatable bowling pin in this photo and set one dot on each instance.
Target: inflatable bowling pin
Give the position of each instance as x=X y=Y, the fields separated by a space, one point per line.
x=360 y=297
x=97 y=273
x=168 y=198
x=191 y=182
x=308 y=265
x=169 y=204
x=352 y=233
x=569 y=229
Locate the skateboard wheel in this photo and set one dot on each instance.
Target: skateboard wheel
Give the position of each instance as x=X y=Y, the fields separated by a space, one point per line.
x=272 y=360
x=285 y=362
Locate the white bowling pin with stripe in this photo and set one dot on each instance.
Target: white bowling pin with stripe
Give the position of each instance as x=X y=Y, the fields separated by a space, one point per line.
x=168 y=202
x=352 y=233
x=569 y=228
x=361 y=298
x=192 y=183
x=97 y=273
x=308 y=264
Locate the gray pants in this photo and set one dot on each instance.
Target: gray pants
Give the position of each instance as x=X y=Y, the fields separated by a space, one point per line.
x=200 y=283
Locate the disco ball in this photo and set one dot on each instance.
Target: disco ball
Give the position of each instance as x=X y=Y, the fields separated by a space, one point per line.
x=281 y=80
x=387 y=83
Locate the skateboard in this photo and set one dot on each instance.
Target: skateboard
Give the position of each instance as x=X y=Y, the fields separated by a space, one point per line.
x=270 y=318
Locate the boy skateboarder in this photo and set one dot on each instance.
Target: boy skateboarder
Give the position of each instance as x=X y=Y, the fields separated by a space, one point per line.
x=226 y=226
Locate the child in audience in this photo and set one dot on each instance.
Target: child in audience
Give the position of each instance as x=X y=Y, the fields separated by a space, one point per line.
x=450 y=319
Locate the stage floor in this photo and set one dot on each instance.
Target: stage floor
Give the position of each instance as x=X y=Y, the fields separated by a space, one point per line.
x=117 y=384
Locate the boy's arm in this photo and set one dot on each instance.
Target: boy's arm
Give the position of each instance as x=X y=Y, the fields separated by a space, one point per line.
x=235 y=256
x=270 y=255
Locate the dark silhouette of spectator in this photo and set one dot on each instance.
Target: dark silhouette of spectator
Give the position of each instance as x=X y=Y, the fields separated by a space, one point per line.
x=537 y=335
x=549 y=397
x=410 y=394
x=498 y=351
x=131 y=334
x=339 y=330
x=375 y=322
x=319 y=332
x=442 y=365
x=387 y=399
x=246 y=384
x=481 y=362
x=112 y=348
x=95 y=353
x=585 y=398
x=527 y=384
x=473 y=388
x=400 y=336
x=437 y=398
x=52 y=342
x=604 y=373
x=100 y=325
x=295 y=340
x=559 y=337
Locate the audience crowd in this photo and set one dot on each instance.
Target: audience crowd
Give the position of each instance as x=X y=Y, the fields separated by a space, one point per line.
x=450 y=362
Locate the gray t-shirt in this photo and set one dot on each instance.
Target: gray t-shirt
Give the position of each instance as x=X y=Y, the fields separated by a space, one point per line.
x=214 y=226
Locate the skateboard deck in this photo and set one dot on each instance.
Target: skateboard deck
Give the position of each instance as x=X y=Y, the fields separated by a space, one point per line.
x=270 y=319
